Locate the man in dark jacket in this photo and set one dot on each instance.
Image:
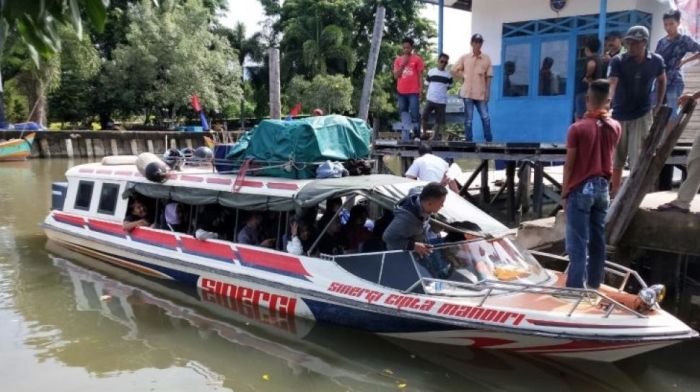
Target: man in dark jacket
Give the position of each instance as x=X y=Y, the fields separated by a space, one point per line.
x=407 y=231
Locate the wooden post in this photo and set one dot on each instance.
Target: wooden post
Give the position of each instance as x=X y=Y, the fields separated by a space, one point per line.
x=377 y=34
x=275 y=90
x=538 y=190
x=88 y=148
x=524 y=187
x=510 y=187
x=485 y=191
x=656 y=149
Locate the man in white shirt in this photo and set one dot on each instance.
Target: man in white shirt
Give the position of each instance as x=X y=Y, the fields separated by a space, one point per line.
x=439 y=81
x=427 y=167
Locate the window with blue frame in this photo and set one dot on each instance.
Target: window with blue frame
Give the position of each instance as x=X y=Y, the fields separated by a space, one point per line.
x=554 y=67
x=516 y=70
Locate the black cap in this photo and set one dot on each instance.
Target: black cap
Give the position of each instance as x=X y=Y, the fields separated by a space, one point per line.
x=477 y=38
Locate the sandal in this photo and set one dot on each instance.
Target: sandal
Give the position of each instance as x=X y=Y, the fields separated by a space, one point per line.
x=672 y=207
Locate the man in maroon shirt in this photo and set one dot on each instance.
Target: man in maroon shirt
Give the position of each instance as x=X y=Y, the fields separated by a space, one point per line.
x=590 y=146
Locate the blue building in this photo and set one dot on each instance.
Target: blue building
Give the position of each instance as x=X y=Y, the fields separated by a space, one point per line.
x=522 y=35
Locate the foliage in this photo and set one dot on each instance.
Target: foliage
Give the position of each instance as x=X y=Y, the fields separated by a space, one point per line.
x=79 y=64
x=37 y=22
x=332 y=93
x=334 y=37
x=16 y=109
x=171 y=54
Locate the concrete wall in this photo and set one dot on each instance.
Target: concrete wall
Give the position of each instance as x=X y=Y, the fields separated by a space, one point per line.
x=96 y=144
x=488 y=16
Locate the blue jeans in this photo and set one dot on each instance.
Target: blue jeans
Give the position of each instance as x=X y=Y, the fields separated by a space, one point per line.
x=586 y=207
x=409 y=111
x=482 y=107
x=673 y=92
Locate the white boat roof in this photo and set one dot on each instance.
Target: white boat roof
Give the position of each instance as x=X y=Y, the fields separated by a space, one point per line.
x=201 y=185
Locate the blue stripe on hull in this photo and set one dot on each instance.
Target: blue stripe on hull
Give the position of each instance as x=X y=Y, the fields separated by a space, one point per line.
x=370 y=321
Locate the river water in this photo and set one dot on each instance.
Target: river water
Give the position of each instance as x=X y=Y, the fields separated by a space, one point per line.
x=69 y=323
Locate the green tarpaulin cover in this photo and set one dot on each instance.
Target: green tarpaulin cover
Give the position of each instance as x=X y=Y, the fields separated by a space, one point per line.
x=306 y=141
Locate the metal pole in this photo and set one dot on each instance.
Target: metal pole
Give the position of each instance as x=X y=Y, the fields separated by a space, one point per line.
x=602 y=21
x=377 y=34
x=441 y=11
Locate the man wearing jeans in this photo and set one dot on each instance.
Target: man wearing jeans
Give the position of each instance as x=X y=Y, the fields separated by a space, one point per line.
x=476 y=71
x=408 y=71
x=590 y=144
x=631 y=77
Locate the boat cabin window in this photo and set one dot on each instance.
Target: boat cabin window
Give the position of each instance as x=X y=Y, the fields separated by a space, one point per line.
x=84 y=195
x=108 y=198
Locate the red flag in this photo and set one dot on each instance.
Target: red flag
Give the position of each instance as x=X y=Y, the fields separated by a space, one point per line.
x=295 y=110
x=195 y=104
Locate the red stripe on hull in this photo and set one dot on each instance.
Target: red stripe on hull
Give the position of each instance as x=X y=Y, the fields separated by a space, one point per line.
x=251 y=184
x=208 y=249
x=281 y=263
x=549 y=323
x=154 y=238
x=107 y=227
x=70 y=219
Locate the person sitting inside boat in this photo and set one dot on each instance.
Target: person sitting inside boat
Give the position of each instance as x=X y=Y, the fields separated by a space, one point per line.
x=212 y=222
x=175 y=217
x=407 y=231
x=138 y=216
x=332 y=242
x=355 y=232
x=250 y=233
x=301 y=238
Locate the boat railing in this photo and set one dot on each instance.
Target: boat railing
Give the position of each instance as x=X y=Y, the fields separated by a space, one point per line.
x=488 y=288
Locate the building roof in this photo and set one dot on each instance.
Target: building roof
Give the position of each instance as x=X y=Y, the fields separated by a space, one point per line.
x=464 y=5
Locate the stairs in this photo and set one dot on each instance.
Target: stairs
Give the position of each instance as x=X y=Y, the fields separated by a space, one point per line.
x=691 y=73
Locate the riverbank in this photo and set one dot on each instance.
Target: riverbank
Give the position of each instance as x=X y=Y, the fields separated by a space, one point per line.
x=90 y=144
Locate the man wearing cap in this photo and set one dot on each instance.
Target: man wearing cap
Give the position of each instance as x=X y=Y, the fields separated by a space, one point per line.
x=476 y=71
x=632 y=76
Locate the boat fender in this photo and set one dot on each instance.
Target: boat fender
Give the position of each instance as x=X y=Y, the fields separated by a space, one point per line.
x=152 y=167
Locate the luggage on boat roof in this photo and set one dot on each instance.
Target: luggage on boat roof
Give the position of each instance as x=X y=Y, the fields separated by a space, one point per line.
x=306 y=142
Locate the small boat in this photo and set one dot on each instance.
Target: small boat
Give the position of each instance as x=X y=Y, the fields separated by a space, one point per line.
x=498 y=297
x=16 y=149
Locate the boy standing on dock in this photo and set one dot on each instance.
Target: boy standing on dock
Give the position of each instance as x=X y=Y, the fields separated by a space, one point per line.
x=439 y=81
x=590 y=146
x=408 y=71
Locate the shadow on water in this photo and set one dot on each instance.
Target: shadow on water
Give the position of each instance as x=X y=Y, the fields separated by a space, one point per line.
x=86 y=316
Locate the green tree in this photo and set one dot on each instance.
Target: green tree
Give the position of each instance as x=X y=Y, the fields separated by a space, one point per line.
x=316 y=40
x=171 y=54
x=246 y=48
x=332 y=93
x=79 y=64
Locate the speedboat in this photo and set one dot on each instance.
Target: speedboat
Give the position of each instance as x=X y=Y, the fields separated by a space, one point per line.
x=498 y=296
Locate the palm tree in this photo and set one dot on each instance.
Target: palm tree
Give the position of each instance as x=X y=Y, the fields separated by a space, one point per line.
x=313 y=49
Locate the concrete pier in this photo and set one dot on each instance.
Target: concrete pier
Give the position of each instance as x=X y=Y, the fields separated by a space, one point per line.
x=96 y=144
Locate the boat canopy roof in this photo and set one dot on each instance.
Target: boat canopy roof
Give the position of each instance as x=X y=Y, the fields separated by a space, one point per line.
x=385 y=190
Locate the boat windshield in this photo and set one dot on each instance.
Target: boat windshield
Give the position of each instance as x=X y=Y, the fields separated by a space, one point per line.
x=467 y=262
x=498 y=259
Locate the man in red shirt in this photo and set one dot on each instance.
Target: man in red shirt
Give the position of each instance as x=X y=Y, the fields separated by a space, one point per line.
x=590 y=146
x=408 y=71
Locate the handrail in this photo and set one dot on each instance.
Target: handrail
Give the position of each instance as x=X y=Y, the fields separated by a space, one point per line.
x=493 y=287
x=490 y=286
x=614 y=268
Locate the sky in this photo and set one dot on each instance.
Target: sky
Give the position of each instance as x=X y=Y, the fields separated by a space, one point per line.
x=456 y=32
